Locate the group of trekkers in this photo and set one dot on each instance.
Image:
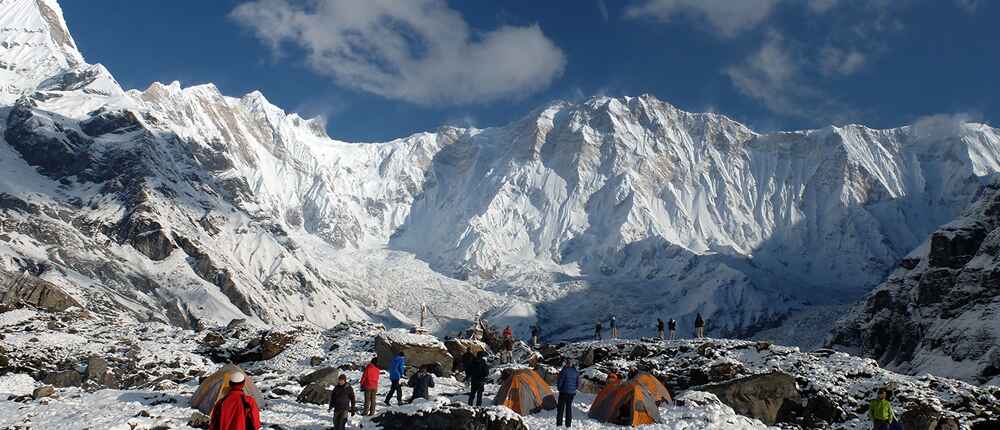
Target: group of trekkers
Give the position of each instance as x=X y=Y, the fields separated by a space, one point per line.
x=671 y=326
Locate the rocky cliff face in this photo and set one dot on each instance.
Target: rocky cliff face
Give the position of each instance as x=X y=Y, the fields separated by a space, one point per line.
x=937 y=312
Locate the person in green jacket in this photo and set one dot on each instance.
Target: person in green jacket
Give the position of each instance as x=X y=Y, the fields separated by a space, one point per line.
x=880 y=411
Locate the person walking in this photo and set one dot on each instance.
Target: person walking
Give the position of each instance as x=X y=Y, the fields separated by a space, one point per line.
x=421 y=382
x=598 y=329
x=880 y=411
x=396 y=371
x=236 y=411
x=699 y=326
x=659 y=329
x=536 y=332
x=477 y=372
x=567 y=383
x=369 y=386
x=672 y=327
x=342 y=402
x=614 y=328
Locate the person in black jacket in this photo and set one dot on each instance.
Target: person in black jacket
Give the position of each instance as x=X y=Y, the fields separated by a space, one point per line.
x=659 y=328
x=477 y=372
x=598 y=329
x=536 y=332
x=342 y=402
x=672 y=326
x=699 y=326
x=421 y=382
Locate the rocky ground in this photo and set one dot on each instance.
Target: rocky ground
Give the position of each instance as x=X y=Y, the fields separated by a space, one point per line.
x=74 y=370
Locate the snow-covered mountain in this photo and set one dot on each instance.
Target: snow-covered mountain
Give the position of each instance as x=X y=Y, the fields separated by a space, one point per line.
x=183 y=205
x=937 y=313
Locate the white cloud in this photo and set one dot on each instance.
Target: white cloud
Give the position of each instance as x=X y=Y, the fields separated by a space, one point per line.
x=836 y=61
x=603 y=9
x=968 y=6
x=942 y=126
x=821 y=6
x=728 y=17
x=419 y=51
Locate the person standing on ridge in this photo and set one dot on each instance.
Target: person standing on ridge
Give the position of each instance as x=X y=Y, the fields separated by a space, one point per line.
x=659 y=328
x=369 y=386
x=567 y=383
x=342 y=402
x=672 y=326
x=614 y=328
x=477 y=372
x=536 y=332
x=396 y=371
x=880 y=411
x=699 y=326
x=597 y=330
x=236 y=411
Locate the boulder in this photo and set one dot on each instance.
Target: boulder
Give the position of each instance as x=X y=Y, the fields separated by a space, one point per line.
x=451 y=416
x=199 y=420
x=921 y=417
x=46 y=391
x=420 y=350
x=315 y=360
x=274 y=343
x=213 y=339
x=458 y=347
x=63 y=379
x=317 y=393
x=758 y=396
x=28 y=289
x=327 y=375
x=99 y=374
x=725 y=370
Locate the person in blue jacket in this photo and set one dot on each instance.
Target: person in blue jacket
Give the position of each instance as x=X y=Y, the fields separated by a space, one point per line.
x=396 y=371
x=569 y=380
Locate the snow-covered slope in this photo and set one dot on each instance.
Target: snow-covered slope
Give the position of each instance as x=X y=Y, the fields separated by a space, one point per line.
x=183 y=205
x=937 y=313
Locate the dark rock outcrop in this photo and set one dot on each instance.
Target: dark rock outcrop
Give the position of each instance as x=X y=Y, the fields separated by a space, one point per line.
x=452 y=416
x=757 y=396
x=27 y=289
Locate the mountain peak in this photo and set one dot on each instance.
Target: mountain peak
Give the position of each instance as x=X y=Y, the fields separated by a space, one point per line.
x=35 y=44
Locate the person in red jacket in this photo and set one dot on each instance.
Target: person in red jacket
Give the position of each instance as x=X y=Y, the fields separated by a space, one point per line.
x=369 y=385
x=236 y=411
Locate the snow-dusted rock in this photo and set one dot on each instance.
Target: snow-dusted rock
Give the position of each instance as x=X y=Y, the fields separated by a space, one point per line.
x=758 y=396
x=420 y=350
x=435 y=414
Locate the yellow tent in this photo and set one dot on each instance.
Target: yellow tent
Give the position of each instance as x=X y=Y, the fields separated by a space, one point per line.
x=525 y=392
x=216 y=386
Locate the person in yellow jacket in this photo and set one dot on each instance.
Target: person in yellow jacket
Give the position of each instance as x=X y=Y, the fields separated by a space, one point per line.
x=880 y=411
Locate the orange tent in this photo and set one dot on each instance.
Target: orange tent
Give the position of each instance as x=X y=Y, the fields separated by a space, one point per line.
x=632 y=403
x=525 y=392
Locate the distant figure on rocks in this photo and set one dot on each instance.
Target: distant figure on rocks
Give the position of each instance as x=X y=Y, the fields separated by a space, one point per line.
x=236 y=411
x=659 y=328
x=567 y=383
x=536 y=332
x=880 y=411
x=421 y=382
x=508 y=349
x=672 y=326
x=342 y=402
x=699 y=326
x=477 y=372
x=396 y=371
x=614 y=328
x=369 y=386
x=597 y=330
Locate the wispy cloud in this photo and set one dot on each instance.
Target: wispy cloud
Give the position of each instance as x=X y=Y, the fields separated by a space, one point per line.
x=419 y=51
x=968 y=6
x=727 y=17
x=602 y=7
x=942 y=126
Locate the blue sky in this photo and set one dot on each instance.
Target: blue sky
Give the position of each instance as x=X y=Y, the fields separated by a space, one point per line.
x=380 y=69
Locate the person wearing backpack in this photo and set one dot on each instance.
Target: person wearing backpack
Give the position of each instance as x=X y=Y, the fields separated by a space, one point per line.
x=598 y=328
x=659 y=329
x=396 y=371
x=236 y=411
x=477 y=372
x=342 y=402
x=672 y=327
x=421 y=382
x=369 y=386
x=880 y=411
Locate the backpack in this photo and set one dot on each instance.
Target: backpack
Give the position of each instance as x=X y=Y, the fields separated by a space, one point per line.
x=247 y=414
